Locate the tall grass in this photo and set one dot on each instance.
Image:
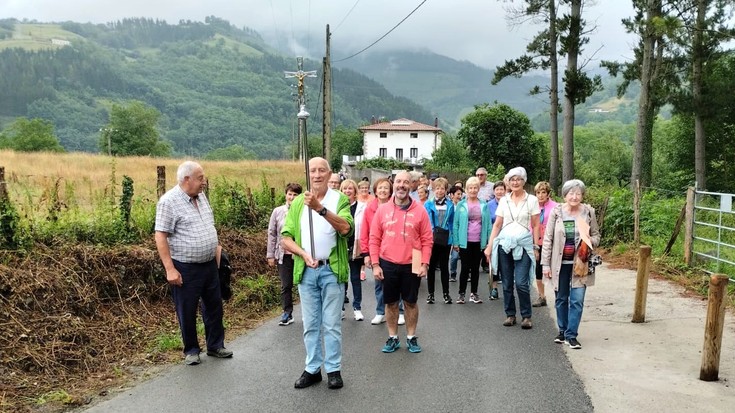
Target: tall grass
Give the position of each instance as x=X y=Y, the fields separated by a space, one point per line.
x=81 y=197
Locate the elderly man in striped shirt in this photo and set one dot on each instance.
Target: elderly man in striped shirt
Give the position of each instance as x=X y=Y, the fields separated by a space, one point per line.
x=187 y=244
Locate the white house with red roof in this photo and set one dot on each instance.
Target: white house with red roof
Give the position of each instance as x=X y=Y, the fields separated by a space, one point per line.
x=400 y=139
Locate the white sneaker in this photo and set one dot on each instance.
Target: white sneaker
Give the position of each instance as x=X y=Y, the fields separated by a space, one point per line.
x=378 y=319
x=343 y=314
x=359 y=316
x=401 y=320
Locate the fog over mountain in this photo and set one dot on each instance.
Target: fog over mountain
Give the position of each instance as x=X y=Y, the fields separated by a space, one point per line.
x=472 y=30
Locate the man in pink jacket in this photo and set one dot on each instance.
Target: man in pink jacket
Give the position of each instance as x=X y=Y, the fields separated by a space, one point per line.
x=400 y=248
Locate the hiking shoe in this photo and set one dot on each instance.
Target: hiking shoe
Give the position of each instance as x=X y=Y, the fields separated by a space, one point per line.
x=334 y=380
x=509 y=321
x=540 y=302
x=474 y=298
x=560 y=338
x=430 y=299
x=378 y=319
x=573 y=343
x=413 y=345
x=494 y=294
x=447 y=299
x=526 y=323
x=220 y=353
x=453 y=278
x=347 y=300
x=286 y=319
x=192 y=359
x=460 y=300
x=392 y=345
x=401 y=319
x=307 y=379
x=358 y=315
x=343 y=314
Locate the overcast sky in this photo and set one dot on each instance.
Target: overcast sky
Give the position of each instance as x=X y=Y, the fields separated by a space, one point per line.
x=474 y=30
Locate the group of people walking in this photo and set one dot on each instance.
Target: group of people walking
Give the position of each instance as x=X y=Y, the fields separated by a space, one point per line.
x=327 y=236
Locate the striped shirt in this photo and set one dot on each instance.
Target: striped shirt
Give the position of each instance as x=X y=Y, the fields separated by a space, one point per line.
x=192 y=237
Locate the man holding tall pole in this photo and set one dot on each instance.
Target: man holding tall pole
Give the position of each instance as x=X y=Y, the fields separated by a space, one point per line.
x=316 y=230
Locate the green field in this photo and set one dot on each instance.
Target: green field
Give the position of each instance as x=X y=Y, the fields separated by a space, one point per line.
x=37 y=37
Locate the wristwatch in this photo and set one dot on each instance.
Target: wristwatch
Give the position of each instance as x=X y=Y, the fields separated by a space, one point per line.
x=322 y=211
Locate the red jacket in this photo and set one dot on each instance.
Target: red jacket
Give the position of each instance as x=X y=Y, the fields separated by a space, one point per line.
x=394 y=233
x=367 y=219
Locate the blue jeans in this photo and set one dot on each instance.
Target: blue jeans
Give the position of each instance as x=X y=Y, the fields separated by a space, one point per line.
x=453 y=258
x=355 y=266
x=569 y=303
x=321 y=311
x=380 y=304
x=511 y=272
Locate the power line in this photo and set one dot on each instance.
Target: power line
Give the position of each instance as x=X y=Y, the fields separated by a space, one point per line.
x=383 y=36
x=346 y=16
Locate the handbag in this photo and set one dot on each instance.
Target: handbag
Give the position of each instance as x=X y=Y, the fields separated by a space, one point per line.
x=441 y=236
x=225 y=275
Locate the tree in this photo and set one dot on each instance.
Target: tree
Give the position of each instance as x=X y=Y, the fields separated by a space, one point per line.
x=31 y=135
x=703 y=29
x=541 y=53
x=451 y=156
x=133 y=131
x=345 y=141
x=500 y=135
x=230 y=153
x=654 y=70
x=577 y=85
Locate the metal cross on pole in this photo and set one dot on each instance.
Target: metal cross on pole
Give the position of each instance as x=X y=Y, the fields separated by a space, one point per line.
x=303 y=115
x=300 y=75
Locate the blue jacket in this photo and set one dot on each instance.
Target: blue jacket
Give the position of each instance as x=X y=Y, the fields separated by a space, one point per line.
x=461 y=224
x=492 y=207
x=448 y=222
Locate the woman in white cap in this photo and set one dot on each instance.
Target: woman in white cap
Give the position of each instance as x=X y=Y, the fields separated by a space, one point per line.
x=511 y=248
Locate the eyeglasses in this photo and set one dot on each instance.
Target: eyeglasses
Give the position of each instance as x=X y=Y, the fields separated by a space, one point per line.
x=481 y=175
x=516 y=179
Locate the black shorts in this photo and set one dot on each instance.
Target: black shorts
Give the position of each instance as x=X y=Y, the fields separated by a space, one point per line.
x=399 y=283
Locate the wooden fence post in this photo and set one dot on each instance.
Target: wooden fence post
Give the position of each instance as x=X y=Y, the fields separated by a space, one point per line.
x=641 y=284
x=637 y=213
x=710 y=369
x=3 y=185
x=689 y=227
x=161 y=180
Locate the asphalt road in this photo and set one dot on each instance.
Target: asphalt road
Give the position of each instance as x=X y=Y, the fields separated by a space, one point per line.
x=469 y=362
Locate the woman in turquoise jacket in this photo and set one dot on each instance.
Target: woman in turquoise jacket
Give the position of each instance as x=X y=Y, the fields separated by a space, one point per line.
x=441 y=215
x=469 y=237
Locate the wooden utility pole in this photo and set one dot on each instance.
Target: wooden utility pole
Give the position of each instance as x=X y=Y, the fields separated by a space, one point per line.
x=327 y=106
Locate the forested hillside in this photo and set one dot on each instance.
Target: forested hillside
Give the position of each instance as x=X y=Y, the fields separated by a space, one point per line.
x=216 y=85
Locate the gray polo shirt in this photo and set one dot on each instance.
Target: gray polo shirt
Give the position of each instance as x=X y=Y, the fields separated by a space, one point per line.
x=192 y=237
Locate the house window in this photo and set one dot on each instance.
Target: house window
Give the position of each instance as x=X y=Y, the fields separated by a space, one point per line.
x=414 y=135
x=414 y=152
x=383 y=153
x=399 y=154
x=384 y=134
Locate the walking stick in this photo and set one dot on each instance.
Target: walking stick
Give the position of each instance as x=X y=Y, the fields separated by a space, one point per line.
x=303 y=115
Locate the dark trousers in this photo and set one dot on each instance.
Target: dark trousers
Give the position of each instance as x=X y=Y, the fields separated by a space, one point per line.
x=285 y=272
x=355 y=267
x=470 y=257
x=200 y=282
x=440 y=257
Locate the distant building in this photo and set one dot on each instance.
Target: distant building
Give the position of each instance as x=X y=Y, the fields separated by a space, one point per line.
x=400 y=139
x=60 y=42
